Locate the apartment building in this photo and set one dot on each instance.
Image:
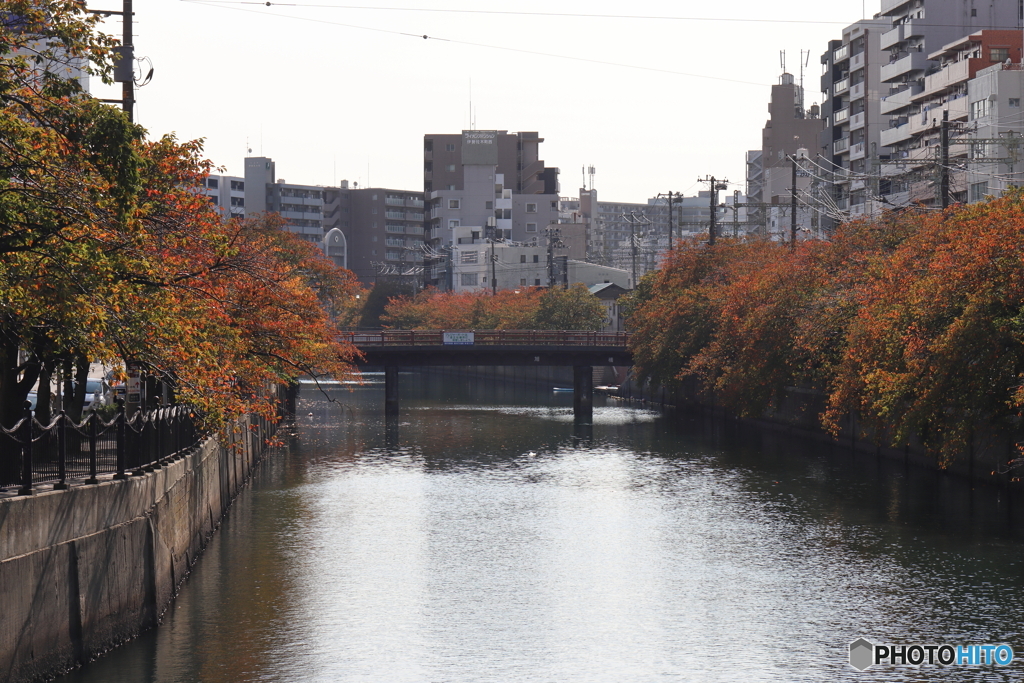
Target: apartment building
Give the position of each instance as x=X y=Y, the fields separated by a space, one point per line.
x=382 y=230
x=851 y=88
x=790 y=131
x=375 y=232
x=227 y=193
x=996 y=152
x=923 y=34
x=490 y=181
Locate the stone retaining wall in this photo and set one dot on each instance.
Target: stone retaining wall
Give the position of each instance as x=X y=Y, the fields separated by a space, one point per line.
x=85 y=569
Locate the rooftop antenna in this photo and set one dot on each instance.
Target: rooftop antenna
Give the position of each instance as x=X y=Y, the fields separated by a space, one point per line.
x=592 y=171
x=584 y=169
x=471 y=103
x=782 y=60
x=804 y=61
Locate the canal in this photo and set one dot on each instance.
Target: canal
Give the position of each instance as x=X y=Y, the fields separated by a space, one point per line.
x=483 y=537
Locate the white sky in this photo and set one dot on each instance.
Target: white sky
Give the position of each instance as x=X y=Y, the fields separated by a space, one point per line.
x=334 y=93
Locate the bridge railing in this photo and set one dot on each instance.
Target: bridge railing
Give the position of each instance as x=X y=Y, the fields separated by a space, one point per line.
x=489 y=338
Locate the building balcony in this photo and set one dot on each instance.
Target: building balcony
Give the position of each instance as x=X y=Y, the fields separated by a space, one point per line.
x=840 y=116
x=891 y=5
x=841 y=86
x=913 y=61
x=900 y=99
x=840 y=54
x=857 y=91
x=932 y=118
x=857 y=61
x=892 y=136
x=857 y=151
x=418 y=203
x=840 y=145
x=857 y=121
x=890 y=38
x=395 y=201
x=950 y=75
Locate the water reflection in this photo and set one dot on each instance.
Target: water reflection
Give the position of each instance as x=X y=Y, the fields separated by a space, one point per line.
x=484 y=536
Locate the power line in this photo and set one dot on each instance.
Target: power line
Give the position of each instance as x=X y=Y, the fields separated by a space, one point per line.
x=570 y=15
x=223 y=5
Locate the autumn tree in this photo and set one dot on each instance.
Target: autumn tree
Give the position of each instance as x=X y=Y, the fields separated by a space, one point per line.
x=109 y=254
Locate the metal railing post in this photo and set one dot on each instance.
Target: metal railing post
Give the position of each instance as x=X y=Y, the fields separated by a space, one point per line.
x=93 y=417
x=26 y=454
x=62 y=451
x=120 y=440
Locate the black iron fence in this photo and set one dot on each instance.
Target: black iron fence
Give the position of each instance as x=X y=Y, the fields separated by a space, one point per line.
x=64 y=450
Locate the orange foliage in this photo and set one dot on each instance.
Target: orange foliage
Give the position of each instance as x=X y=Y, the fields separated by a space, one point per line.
x=915 y=322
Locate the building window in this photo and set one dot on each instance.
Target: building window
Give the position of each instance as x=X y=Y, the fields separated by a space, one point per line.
x=453 y=223
x=373 y=209
x=450 y=168
x=522 y=282
x=531 y=227
x=238 y=185
x=449 y=147
x=999 y=54
x=536 y=258
x=428 y=145
x=979 y=109
x=1015 y=102
x=237 y=201
x=212 y=183
x=489 y=205
x=979 y=191
x=536 y=282
x=469 y=279
x=453 y=203
x=428 y=166
x=469 y=257
x=451 y=187
x=531 y=208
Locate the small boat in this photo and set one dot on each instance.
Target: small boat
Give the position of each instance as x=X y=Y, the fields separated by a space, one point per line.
x=559 y=390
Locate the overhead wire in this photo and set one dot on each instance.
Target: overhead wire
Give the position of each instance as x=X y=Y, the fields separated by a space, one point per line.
x=453 y=41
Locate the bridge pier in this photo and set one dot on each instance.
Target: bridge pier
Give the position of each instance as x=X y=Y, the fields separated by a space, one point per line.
x=390 y=390
x=583 y=393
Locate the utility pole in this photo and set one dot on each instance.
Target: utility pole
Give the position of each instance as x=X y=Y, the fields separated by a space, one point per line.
x=944 y=162
x=714 y=210
x=736 y=213
x=792 y=208
x=671 y=220
x=127 y=62
x=494 y=273
x=124 y=59
x=716 y=185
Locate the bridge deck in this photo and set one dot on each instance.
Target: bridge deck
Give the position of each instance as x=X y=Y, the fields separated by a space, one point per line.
x=559 y=338
x=410 y=348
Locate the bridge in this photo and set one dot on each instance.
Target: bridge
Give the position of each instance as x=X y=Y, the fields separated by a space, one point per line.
x=393 y=349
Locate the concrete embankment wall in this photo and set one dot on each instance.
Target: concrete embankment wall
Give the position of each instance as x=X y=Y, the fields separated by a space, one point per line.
x=986 y=460
x=85 y=569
